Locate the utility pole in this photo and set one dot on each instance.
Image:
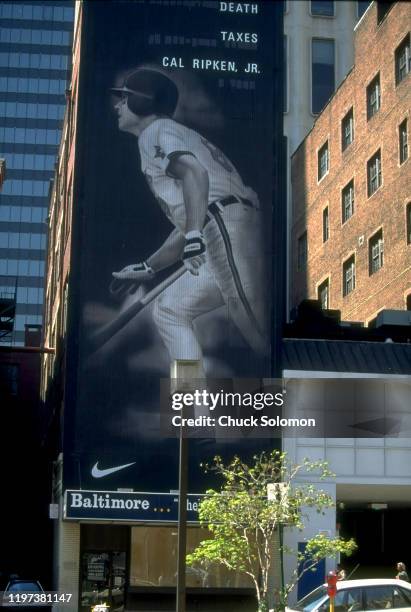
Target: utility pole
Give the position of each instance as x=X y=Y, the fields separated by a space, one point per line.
x=183 y=374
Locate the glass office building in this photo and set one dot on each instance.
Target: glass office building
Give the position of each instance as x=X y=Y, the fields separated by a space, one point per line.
x=35 y=54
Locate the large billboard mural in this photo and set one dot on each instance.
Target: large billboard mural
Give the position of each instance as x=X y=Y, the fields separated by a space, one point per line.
x=175 y=201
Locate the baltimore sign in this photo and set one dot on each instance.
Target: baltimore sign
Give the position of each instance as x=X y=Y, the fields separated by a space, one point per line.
x=127 y=506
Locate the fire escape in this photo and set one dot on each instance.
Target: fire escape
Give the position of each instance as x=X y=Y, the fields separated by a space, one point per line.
x=7 y=314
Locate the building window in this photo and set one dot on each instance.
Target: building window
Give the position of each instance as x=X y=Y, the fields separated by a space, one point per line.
x=147 y=567
x=373 y=97
x=302 y=251
x=362 y=6
x=383 y=6
x=374 y=174
x=322 y=8
x=326 y=224
x=68 y=210
x=402 y=60
x=285 y=72
x=403 y=141
x=323 y=294
x=376 y=252
x=323 y=161
x=347 y=201
x=409 y=223
x=349 y=276
x=322 y=73
x=9 y=379
x=347 y=129
x=65 y=309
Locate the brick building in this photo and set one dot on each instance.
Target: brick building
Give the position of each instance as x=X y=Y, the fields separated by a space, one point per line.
x=351 y=232
x=53 y=364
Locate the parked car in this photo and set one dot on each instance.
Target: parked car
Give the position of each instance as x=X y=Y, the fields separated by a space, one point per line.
x=357 y=595
x=5 y=577
x=14 y=595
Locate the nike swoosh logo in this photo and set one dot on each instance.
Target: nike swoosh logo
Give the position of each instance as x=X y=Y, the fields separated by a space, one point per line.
x=97 y=473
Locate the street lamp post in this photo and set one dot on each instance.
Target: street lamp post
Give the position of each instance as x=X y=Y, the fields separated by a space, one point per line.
x=183 y=374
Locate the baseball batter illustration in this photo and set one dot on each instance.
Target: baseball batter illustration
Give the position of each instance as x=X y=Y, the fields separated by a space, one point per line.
x=216 y=219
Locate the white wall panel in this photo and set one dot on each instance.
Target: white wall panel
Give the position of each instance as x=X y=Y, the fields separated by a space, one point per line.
x=369 y=462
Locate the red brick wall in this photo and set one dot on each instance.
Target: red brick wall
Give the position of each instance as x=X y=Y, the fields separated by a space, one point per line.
x=374 y=52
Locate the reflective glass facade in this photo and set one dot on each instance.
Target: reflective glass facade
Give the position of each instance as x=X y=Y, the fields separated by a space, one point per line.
x=35 y=51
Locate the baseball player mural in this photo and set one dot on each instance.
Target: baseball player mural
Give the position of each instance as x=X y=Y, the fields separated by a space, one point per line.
x=175 y=184
x=216 y=219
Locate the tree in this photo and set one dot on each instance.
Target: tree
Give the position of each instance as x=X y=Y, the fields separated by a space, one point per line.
x=243 y=521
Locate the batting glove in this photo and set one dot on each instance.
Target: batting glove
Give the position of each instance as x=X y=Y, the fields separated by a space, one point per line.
x=194 y=251
x=139 y=272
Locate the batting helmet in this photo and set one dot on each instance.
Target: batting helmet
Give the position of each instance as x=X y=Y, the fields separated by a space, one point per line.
x=149 y=92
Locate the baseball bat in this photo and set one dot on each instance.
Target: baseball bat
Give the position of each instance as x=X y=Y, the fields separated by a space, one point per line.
x=103 y=335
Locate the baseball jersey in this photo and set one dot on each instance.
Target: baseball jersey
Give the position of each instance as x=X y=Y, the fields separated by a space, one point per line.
x=165 y=139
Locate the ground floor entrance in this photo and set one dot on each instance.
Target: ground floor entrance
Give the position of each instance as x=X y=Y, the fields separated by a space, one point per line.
x=103 y=579
x=133 y=568
x=103 y=566
x=383 y=538
x=380 y=523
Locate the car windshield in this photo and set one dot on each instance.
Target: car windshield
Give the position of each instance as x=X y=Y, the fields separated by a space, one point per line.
x=25 y=585
x=312 y=600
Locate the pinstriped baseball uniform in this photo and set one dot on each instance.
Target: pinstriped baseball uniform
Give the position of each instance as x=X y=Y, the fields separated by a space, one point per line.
x=233 y=269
